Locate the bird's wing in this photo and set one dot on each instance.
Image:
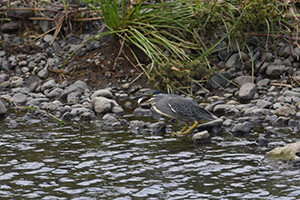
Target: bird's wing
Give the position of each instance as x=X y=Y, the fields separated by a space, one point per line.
x=189 y=108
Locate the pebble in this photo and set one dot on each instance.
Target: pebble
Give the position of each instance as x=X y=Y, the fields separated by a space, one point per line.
x=247 y=91
x=3 y=109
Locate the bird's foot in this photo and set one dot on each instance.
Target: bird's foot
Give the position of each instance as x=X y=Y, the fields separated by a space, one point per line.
x=180 y=133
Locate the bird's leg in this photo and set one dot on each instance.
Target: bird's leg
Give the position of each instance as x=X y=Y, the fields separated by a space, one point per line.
x=191 y=128
x=182 y=130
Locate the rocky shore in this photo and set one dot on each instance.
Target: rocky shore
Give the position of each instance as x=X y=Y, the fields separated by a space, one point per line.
x=258 y=95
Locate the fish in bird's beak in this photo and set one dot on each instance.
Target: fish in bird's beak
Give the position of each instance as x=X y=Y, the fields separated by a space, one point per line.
x=143 y=100
x=145 y=97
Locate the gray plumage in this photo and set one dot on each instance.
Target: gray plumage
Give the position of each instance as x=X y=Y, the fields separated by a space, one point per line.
x=178 y=107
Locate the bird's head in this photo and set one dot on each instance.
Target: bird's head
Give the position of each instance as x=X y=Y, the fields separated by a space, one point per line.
x=144 y=98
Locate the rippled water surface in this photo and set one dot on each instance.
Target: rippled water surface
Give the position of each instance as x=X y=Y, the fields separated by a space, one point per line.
x=45 y=161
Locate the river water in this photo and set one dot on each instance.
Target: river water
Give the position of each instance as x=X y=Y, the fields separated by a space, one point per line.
x=42 y=160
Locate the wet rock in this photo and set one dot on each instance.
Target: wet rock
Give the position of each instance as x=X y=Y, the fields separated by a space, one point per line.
x=241 y=80
x=137 y=126
x=142 y=112
x=286 y=110
x=244 y=127
x=3 y=109
x=201 y=137
x=83 y=113
x=289 y=152
x=281 y=121
x=158 y=127
x=225 y=109
x=103 y=93
x=247 y=91
x=19 y=98
x=103 y=105
x=262 y=141
x=109 y=119
x=210 y=124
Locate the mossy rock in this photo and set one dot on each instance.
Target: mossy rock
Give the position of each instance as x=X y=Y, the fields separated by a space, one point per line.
x=288 y=152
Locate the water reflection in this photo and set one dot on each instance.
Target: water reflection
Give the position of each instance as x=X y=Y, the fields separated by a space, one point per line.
x=41 y=162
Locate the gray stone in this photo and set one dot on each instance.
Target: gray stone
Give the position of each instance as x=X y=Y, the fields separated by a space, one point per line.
x=263 y=104
x=24 y=90
x=202 y=137
x=43 y=73
x=109 y=119
x=54 y=93
x=44 y=24
x=218 y=80
x=241 y=80
x=2 y=53
x=255 y=111
x=77 y=86
x=244 y=127
x=102 y=92
x=288 y=152
x=79 y=111
x=16 y=81
x=211 y=124
x=19 y=98
x=74 y=97
x=142 y=112
x=158 y=127
x=4 y=64
x=48 y=85
x=10 y=26
x=225 y=108
x=286 y=110
x=274 y=70
x=3 y=109
x=137 y=126
x=291 y=93
x=102 y=105
x=247 y=91
x=262 y=141
x=51 y=105
x=3 y=77
x=56 y=47
x=48 y=38
x=22 y=63
x=117 y=109
x=263 y=82
x=51 y=62
x=233 y=61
